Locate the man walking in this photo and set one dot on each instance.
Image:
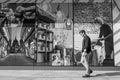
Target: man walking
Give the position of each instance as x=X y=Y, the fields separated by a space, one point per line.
x=86 y=49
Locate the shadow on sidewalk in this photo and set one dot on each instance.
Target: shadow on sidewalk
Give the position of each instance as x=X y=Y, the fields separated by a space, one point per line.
x=107 y=74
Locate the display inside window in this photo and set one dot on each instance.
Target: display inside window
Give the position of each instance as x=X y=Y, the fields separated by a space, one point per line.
x=40 y=35
x=98 y=26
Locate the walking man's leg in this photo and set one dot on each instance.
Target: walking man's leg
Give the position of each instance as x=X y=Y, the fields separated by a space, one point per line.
x=84 y=61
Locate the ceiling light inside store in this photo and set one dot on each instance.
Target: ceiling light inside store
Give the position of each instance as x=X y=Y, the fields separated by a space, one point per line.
x=68 y=21
x=59 y=14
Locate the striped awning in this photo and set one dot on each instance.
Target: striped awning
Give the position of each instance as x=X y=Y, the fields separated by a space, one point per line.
x=17 y=1
x=70 y=1
x=52 y=1
x=94 y=0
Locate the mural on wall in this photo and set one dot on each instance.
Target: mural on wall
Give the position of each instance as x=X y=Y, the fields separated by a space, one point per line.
x=87 y=12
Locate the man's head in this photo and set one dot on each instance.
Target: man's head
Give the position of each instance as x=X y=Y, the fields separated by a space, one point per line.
x=82 y=33
x=99 y=20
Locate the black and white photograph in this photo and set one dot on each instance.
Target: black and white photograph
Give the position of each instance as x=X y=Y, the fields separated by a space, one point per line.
x=59 y=39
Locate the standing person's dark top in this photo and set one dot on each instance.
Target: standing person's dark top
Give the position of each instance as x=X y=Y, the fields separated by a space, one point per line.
x=106 y=31
x=86 y=44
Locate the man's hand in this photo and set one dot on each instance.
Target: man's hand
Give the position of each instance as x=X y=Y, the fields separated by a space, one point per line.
x=84 y=53
x=84 y=50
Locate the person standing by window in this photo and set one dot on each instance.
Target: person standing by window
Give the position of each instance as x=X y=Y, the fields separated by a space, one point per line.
x=106 y=34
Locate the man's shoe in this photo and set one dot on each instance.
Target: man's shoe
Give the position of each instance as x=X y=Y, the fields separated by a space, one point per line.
x=90 y=71
x=86 y=75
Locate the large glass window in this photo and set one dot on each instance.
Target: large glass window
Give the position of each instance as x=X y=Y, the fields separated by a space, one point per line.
x=96 y=19
x=55 y=33
x=46 y=32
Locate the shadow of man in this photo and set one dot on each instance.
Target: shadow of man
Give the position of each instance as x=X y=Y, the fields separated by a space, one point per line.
x=107 y=74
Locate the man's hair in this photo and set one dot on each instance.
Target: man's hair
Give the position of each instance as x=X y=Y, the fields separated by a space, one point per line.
x=82 y=31
x=99 y=20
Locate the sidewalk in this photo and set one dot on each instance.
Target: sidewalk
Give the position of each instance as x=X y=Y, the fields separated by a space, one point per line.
x=56 y=75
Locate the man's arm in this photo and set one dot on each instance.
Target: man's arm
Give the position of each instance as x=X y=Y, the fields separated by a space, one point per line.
x=86 y=45
x=100 y=35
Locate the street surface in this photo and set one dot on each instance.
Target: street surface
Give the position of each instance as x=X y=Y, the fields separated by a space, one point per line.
x=57 y=75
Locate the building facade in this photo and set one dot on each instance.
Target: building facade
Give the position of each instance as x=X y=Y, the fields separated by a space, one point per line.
x=47 y=32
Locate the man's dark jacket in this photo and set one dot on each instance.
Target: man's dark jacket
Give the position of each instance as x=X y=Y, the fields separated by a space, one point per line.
x=86 y=44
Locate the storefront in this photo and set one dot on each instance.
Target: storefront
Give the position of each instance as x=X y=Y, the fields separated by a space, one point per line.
x=67 y=42
x=52 y=37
